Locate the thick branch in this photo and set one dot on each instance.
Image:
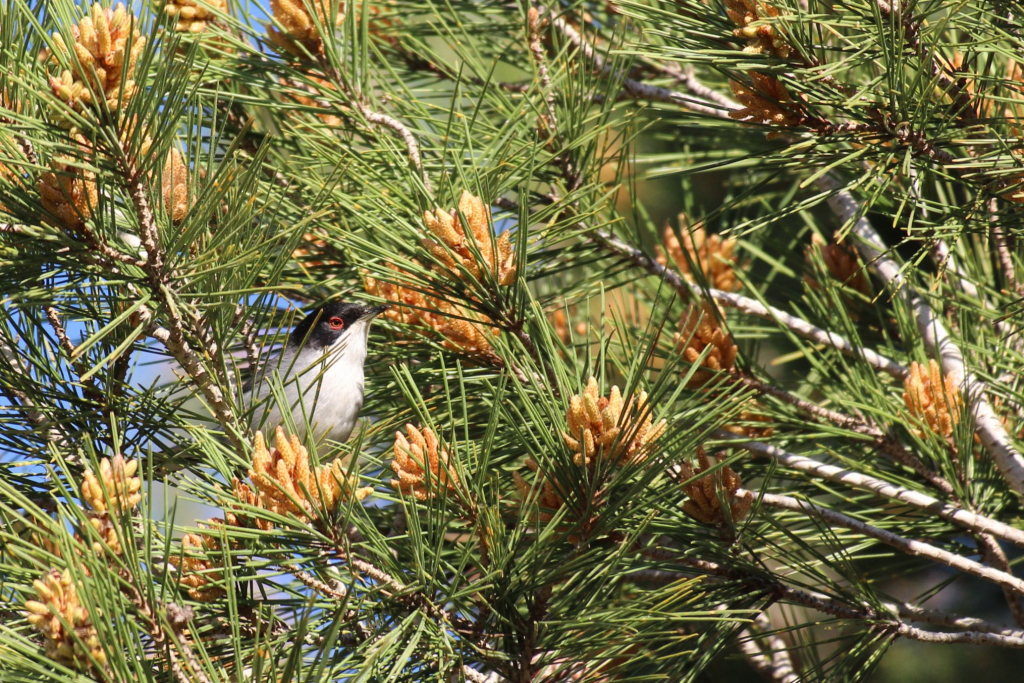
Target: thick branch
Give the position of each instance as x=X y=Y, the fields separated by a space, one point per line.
x=774 y=663
x=175 y=343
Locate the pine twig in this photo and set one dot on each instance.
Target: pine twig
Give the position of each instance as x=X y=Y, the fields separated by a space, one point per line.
x=23 y=401
x=731 y=300
x=633 y=87
x=905 y=611
x=992 y=553
x=537 y=50
x=887 y=444
x=335 y=590
x=905 y=545
x=1003 y=249
x=774 y=663
x=826 y=605
x=951 y=513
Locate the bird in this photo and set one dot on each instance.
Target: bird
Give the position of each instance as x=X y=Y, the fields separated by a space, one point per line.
x=322 y=362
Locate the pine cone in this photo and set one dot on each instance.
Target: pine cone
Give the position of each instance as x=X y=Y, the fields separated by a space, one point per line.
x=194 y=16
x=765 y=101
x=116 y=485
x=287 y=485
x=452 y=323
x=198 y=571
x=841 y=262
x=701 y=330
x=300 y=30
x=714 y=256
x=761 y=38
x=67 y=192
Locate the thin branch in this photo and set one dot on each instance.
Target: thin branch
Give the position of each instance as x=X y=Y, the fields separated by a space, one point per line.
x=950 y=513
x=688 y=290
x=173 y=336
x=905 y=545
x=537 y=50
x=335 y=590
x=992 y=553
x=874 y=251
x=1003 y=249
x=175 y=343
x=380 y=119
x=23 y=401
x=885 y=443
x=827 y=605
x=633 y=87
x=62 y=338
x=905 y=611
x=944 y=259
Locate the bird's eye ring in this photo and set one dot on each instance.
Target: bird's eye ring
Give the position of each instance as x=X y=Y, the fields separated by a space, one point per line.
x=336 y=323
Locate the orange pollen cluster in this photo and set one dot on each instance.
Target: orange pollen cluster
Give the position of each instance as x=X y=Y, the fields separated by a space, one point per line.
x=114 y=491
x=106 y=49
x=301 y=34
x=596 y=426
x=713 y=255
x=422 y=467
x=71 y=638
x=461 y=330
x=765 y=101
x=199 y=572
x=841 y=262
x=67 y=192
x=288 y=485
x=456 y=252
x=194 y=16
x=750 y=16
x=932 y=398
x=174 y=186
x=703 y=502
x=702 y=335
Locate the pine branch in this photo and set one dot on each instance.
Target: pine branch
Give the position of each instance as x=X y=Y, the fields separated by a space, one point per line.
x=874 y=251
x=688 y=291
x=827 y=605
x=951 y=513
x=632 y=87
x=908 y=546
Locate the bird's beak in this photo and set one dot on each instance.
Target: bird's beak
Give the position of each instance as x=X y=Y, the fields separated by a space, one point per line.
x=374 y=311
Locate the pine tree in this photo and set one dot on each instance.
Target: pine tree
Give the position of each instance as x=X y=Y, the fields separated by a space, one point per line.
x=600 y=442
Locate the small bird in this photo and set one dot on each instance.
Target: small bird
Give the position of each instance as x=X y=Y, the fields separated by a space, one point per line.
x=323 y=363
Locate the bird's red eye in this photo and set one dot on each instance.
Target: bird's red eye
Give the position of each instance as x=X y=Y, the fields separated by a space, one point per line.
x=336 y=323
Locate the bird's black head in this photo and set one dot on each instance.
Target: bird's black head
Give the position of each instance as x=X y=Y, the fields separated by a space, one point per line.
x=327 y=324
